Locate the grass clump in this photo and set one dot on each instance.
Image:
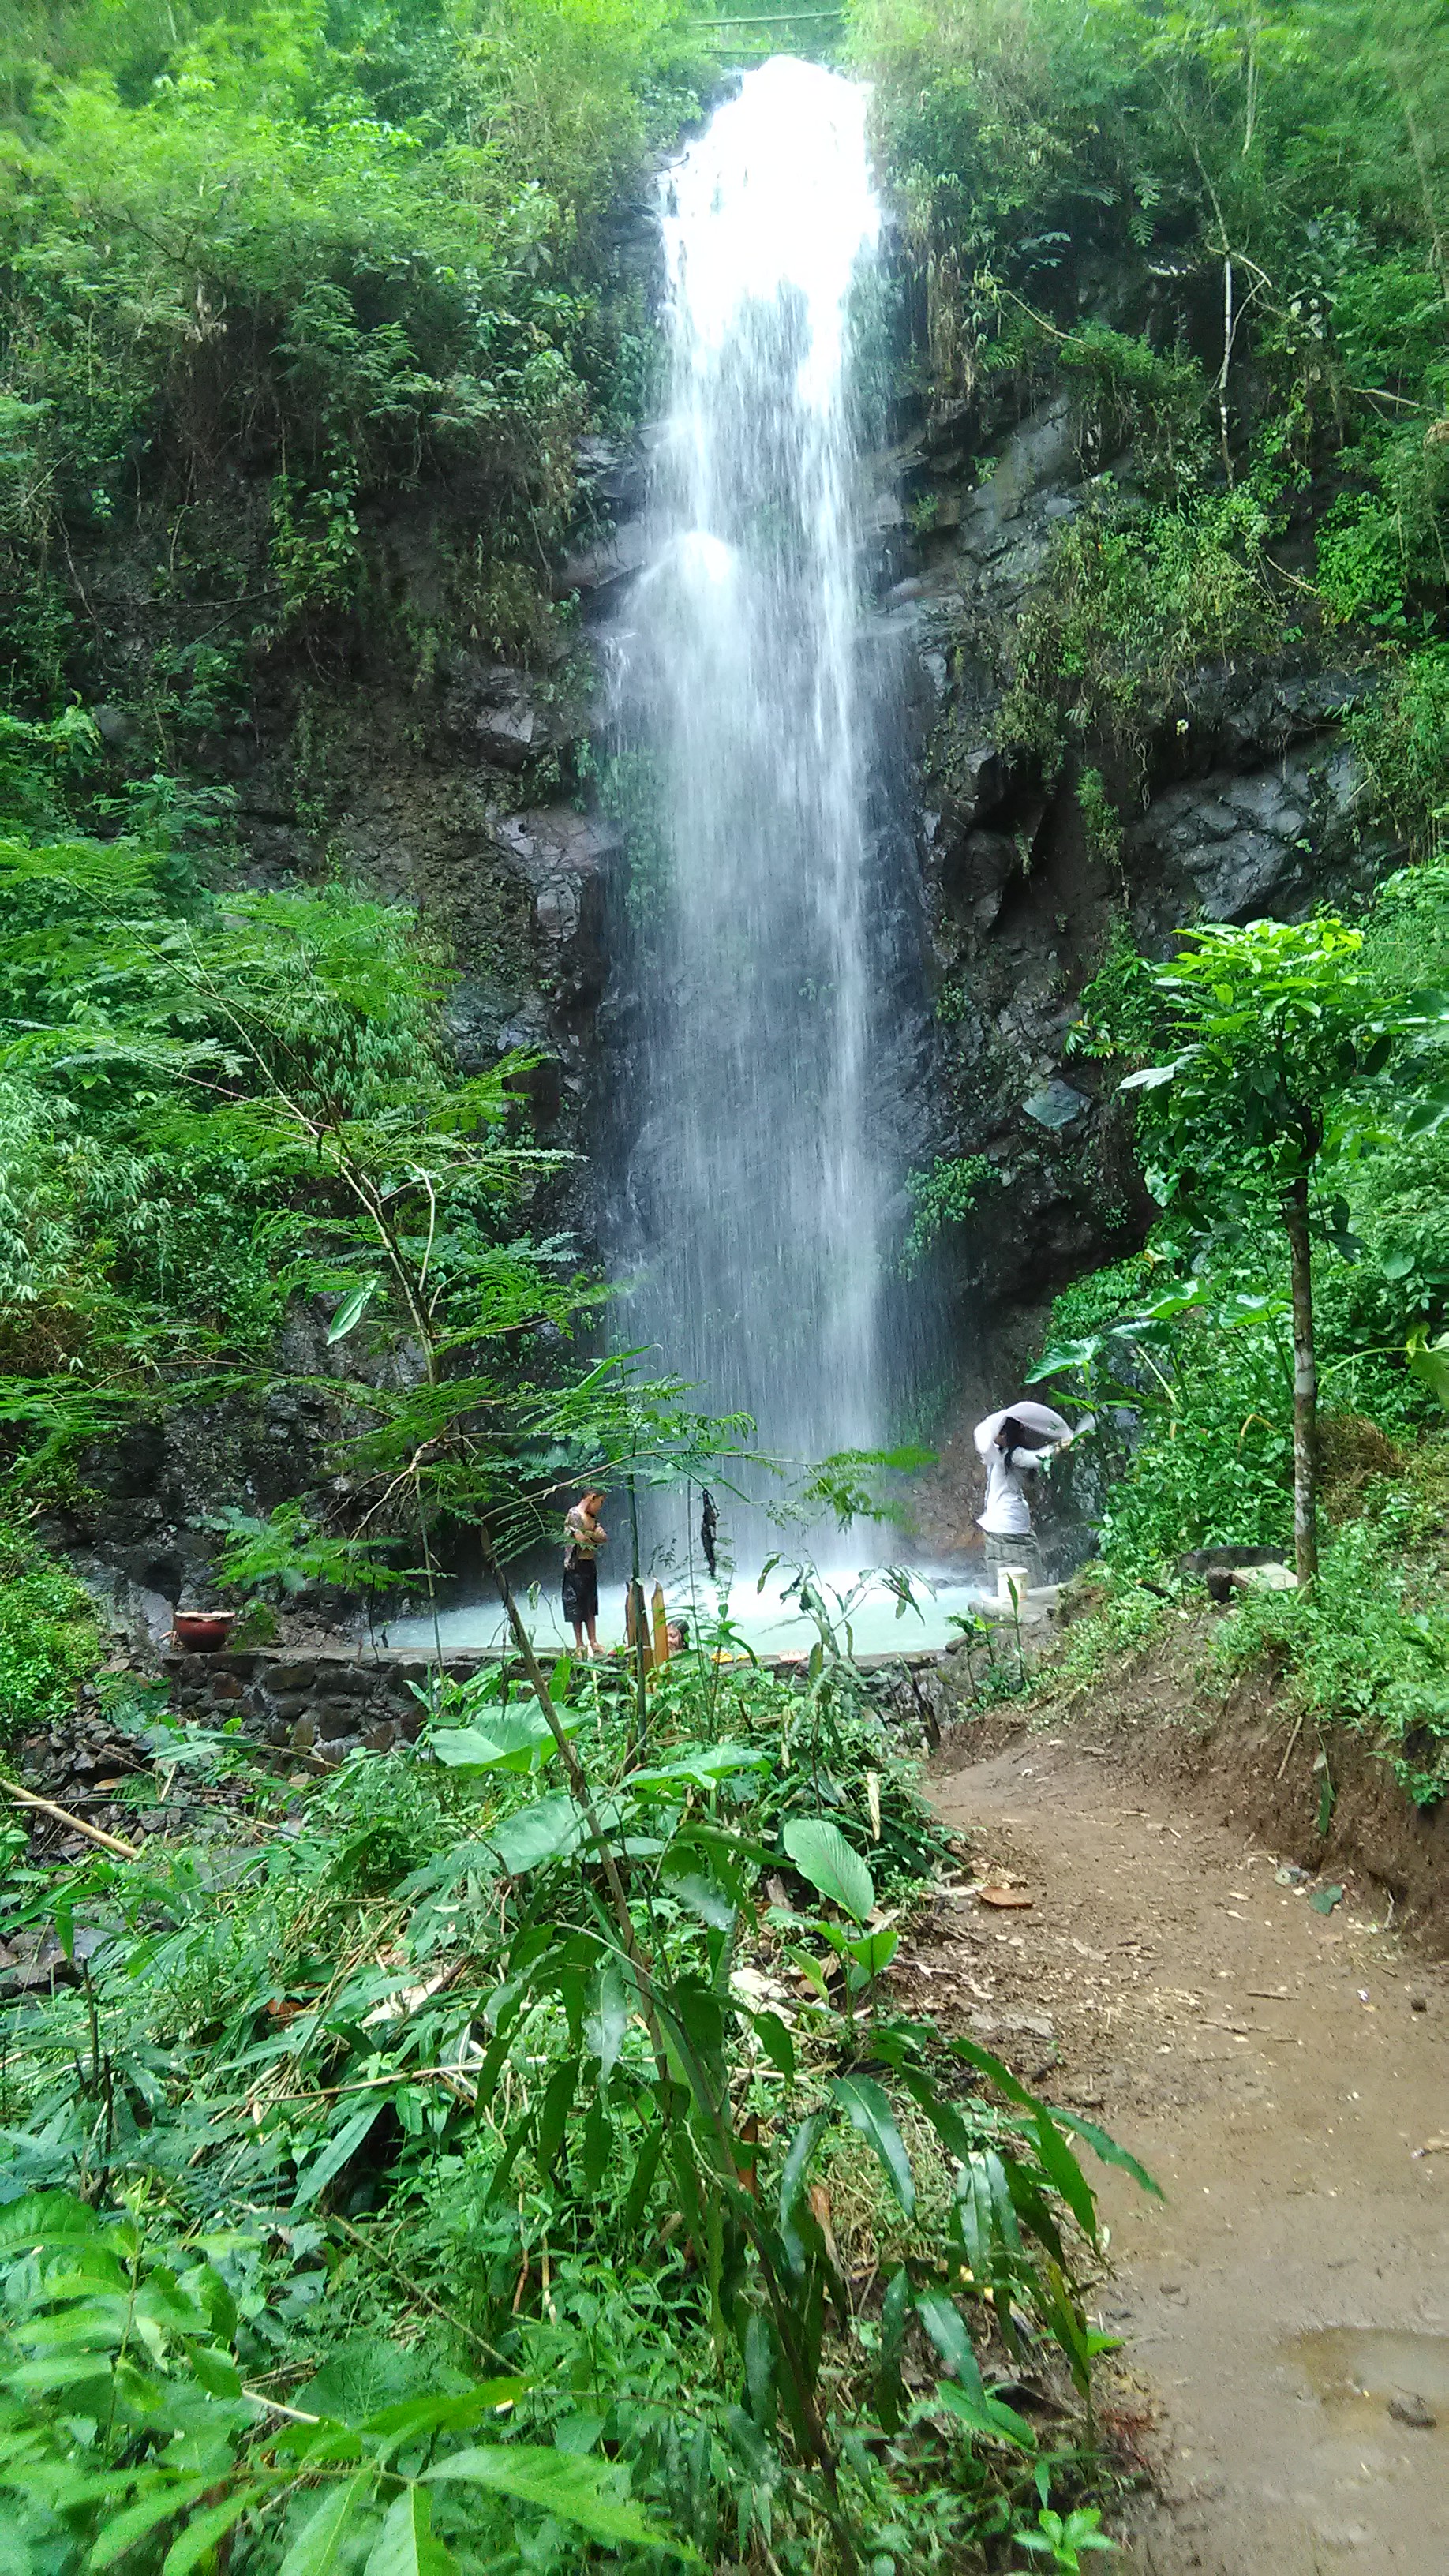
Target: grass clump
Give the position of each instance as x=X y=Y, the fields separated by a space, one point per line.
x=1368 y=1646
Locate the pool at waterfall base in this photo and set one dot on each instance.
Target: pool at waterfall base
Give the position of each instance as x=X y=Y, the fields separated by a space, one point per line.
x=754 y=1617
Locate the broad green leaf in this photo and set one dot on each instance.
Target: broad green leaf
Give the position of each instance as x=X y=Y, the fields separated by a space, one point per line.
x=583 y=2492
x=350 y=1312
x=319 y=2544
x=577 y=2434
x=821 y=1853
x=548 y=1830
x=776 y=2042
x=1429 y=1362
x=126 y=2528
x=597 y=2144
x=558 y=2101
x=217 y=2372
x=205 y=2530
x=945 y=2117
x=444 y=2414
x=364 y=2378
x=96 y=2327
x=46 y=2218
x=703 y=1769
x=985 y=2415
x=64 y=2370
x=986 y=2212
x=405 y=2545
x=761 y=2357
x=946 y=2327
x=802 y=2148
x=873 y=1951
x=702 y=1899
x=316 y=2176
x=1065 y=2174
x=609 y=2019
x=868 y=2110
x=513 y=1740
x=1106 y=2149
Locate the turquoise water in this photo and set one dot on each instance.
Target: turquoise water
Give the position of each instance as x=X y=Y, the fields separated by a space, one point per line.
x=763 y=1619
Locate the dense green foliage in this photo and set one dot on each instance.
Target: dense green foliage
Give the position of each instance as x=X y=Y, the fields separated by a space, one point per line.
x=49 y=1636
x=318 y=255
x=1189 y=1350
x=212 y=1113
x=594 y=2090
x=512 y=2149
x=944 y=1196
x=1263 y=391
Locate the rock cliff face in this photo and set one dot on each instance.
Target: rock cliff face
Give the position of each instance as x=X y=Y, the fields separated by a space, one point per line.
x=464 y=781
x=1245 y=802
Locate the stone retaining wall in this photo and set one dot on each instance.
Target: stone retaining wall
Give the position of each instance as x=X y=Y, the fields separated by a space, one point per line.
x=319 y=1704
x=327 y=1706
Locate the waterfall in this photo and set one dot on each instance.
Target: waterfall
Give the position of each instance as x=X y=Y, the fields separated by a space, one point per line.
x=750 y=1206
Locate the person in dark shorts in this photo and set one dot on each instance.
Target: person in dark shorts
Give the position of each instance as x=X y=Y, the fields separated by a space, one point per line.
x=584 y=1535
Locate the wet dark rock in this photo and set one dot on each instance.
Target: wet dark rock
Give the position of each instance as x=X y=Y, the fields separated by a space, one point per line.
x=604 y=567
x=507 y=716
x=611 y=475
x=333 y=1717
x=345 y=1681
x=1234 y=846
x=563 y=856
x=281 y=1678
x=1238 y=796
x=1056 y=1106
x=1201 y=1561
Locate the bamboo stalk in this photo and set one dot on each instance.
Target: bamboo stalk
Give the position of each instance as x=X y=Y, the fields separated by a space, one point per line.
x=76 y=1824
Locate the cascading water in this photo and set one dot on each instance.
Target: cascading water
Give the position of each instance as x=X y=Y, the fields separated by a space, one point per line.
x=752 y=1203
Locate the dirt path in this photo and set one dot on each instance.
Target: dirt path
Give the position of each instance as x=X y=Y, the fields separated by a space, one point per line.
x=1269 y=2065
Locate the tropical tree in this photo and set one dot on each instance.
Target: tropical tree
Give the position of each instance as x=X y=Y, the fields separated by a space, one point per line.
x=1258 y=1035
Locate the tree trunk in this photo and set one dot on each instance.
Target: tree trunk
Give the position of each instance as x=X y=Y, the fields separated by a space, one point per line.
x=1305 y=1385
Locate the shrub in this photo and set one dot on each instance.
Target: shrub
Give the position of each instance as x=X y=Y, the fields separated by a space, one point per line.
x=945 y=1195
x=1131 y=604
x=49 y=1639
x=1403 y=742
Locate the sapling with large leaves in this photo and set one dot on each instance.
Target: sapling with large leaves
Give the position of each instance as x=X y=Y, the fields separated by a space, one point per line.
x=1257 y=1038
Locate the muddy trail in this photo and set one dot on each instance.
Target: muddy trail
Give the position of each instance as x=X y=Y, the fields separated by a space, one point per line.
x=1284 y=2073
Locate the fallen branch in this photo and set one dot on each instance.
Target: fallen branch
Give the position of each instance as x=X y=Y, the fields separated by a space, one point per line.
x=63 y=1816
x=1292 y=1740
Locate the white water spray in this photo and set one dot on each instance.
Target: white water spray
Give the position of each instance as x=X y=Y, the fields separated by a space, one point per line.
x=752 y=1202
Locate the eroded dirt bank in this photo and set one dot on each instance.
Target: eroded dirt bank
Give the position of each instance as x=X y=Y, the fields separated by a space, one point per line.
x=1285 y=2074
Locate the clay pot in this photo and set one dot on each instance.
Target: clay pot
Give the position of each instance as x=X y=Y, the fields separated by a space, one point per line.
x=202 y=1632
